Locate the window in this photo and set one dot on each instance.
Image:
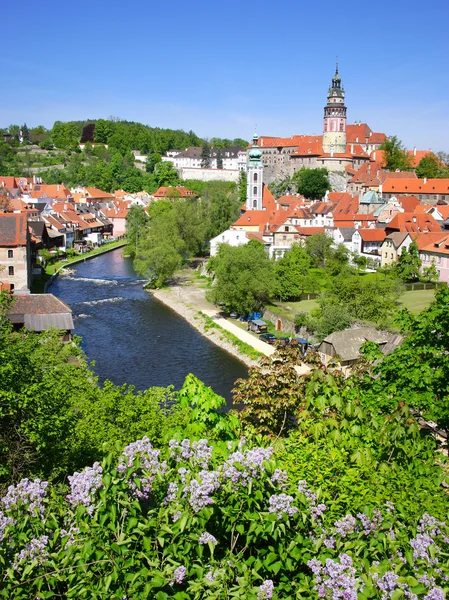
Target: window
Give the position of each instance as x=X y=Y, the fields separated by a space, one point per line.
x=255 y=177
x=255 y=204
x=255 y=190
x=286 y=228
x=10 y=253
x=11 y=271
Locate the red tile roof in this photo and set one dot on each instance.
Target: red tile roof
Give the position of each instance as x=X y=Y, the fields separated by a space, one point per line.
x=426 y=240
x=96 y=193
x=56 y=191
x=372 y=234
x=357 y=133
x=411 y=222
x=409 y=203
x=13 y=229
x=416 y=186
x=8 y=181
x=165 y=191
x=265 y=141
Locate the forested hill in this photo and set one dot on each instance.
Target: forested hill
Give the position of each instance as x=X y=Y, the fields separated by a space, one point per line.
x=120 y=135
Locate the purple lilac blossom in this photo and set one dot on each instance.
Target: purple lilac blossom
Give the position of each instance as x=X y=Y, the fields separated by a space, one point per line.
x=182 y=472
x=281 y=505
x=199 y=451
x=345 y=526
x=29 y=493
x=330 y=542
x=280 y=477
x=206 y=538
x=199 y=492
x=178 y=575
x=266 y=590
x=4 y=522
x=149 y=466
x=242 y=467
x=172 y=493
x=335 y=579
x=211 y=575
x=318 y=510
x=420 y=546
x=34 y=550
x=176 y=516
x=435 y=594
x=84 y=485
x=388 y=584
x=370 y=525
x=70 y=534
x=430 y=525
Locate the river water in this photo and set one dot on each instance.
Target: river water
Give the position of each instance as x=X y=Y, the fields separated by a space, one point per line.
x=132 y=337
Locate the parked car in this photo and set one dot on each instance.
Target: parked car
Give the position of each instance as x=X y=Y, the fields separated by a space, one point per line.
x=233 y=315
x=268 y=338
x=257 y=326
x=300 y=343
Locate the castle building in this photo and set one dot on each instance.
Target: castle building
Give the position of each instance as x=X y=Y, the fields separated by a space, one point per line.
x=334 y=131
x=341 y=148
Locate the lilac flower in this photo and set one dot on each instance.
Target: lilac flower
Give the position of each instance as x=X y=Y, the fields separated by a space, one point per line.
x=84 y=485
x=281 y=505
x=335 y=579
x=280 y=477
x=266 y=590
x=318 y=510
x=149 y=466
x=435 y=594
x=4 y=522
x=430 y=525
x=171 y=493
x=388 y=584
x=29 y=493
x=70 y=534
x=390 y=506
x=178 y=575
x=199 y=492
x=304 y=489
x=205 y=538
x=211 y=575
x=420 y=546
x=176 y=516
x=330 y=542
x=370 y=525
x=242 y=467
x=183 y=474
x=426 y=580
x=34 y=550
x=345 y=526
x=198 y=452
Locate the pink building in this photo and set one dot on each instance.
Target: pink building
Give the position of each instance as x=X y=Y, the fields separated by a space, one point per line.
x=434 y=249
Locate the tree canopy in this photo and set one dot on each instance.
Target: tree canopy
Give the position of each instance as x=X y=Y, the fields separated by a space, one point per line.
x=396 y=156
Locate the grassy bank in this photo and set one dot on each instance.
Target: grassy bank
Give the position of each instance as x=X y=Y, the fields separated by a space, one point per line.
x=241 y=346
x=38 y=285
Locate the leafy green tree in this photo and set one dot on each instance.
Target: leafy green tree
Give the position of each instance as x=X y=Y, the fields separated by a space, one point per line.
x=104 y=130
x=327 y=319
x=431 y=167
x=157 y=262
x=243 y=277
x=312 y=183
x=409 y=264
x=242 y=187
x=430 y=273
x=25 y=134
x=137 y=223
x=219 y=158
x=165 y=174
x=152 y=160
x=291 y=273
x=319 y=248
x=396 y=156
x=205 y=156
x=417 y=371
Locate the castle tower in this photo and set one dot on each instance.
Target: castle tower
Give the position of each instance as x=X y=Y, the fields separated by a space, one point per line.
x=254 y=182
x=334 y=134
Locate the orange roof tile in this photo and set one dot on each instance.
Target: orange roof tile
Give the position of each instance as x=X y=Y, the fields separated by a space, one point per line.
x=409 y=203
x=412 y=222
x=416 y=186
x=372 y=234
x=96 y=193
x=13 y=229
x=423 y=240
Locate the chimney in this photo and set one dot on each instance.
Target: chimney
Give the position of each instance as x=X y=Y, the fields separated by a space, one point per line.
x=58 y=187
x=425 y=180
x=352 y=148
x=374 y=156
x=414 y=218
x=414 y=150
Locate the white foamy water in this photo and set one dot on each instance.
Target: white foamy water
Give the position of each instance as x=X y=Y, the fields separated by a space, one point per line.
x=102 y=301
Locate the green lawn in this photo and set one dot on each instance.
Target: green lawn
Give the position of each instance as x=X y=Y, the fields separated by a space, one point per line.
x=417 y=300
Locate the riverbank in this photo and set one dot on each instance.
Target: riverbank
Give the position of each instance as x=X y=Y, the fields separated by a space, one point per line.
x=40 y=286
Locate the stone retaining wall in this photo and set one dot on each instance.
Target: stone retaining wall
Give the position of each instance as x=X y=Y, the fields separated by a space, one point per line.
x=286 y=324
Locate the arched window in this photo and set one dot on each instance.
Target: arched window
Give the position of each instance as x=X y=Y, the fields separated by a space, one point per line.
x=341 y=126
x=255 y=190
x=255 y=204
x=255 y=178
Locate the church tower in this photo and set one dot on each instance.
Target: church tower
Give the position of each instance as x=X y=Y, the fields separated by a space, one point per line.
x=254 y=182
x=334 y=135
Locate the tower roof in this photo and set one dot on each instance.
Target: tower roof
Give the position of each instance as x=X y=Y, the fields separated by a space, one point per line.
x=255 y=154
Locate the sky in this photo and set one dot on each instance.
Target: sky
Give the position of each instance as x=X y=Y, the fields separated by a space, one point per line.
x=221 y=68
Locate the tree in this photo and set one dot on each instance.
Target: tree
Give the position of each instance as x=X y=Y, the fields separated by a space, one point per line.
x=25 y=134
x=319 y=246
x=219 y=158
x=157 y=262
x=243 y=277
x=165 y=174
x=329 y=318
x=152 y=160
x=409 y=264
x=431 y=167
x=430 y=273
x=242 y=187
x=137 y=222
x=291 y=273
x=312 y=183
x=396 y=156
x=205 y=156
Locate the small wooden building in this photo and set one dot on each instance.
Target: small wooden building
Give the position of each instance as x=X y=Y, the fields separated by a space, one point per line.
x=41 y=312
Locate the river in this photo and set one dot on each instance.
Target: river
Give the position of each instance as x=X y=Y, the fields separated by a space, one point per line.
x=132 y=337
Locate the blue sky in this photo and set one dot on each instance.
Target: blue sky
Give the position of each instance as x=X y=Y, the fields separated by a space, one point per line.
x=220 y=67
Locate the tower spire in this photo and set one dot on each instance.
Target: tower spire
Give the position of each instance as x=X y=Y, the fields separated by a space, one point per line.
x=334 y=135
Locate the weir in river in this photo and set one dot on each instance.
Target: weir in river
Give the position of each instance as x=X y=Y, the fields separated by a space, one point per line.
x=132 y=337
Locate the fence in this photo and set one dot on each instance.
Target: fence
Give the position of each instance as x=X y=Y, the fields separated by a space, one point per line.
x=419 y=285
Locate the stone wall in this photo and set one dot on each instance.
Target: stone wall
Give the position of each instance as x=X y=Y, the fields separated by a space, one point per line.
x=286 y=324
x=209 y=174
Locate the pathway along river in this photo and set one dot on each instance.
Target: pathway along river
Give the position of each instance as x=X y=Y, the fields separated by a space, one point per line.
x=132 y=337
